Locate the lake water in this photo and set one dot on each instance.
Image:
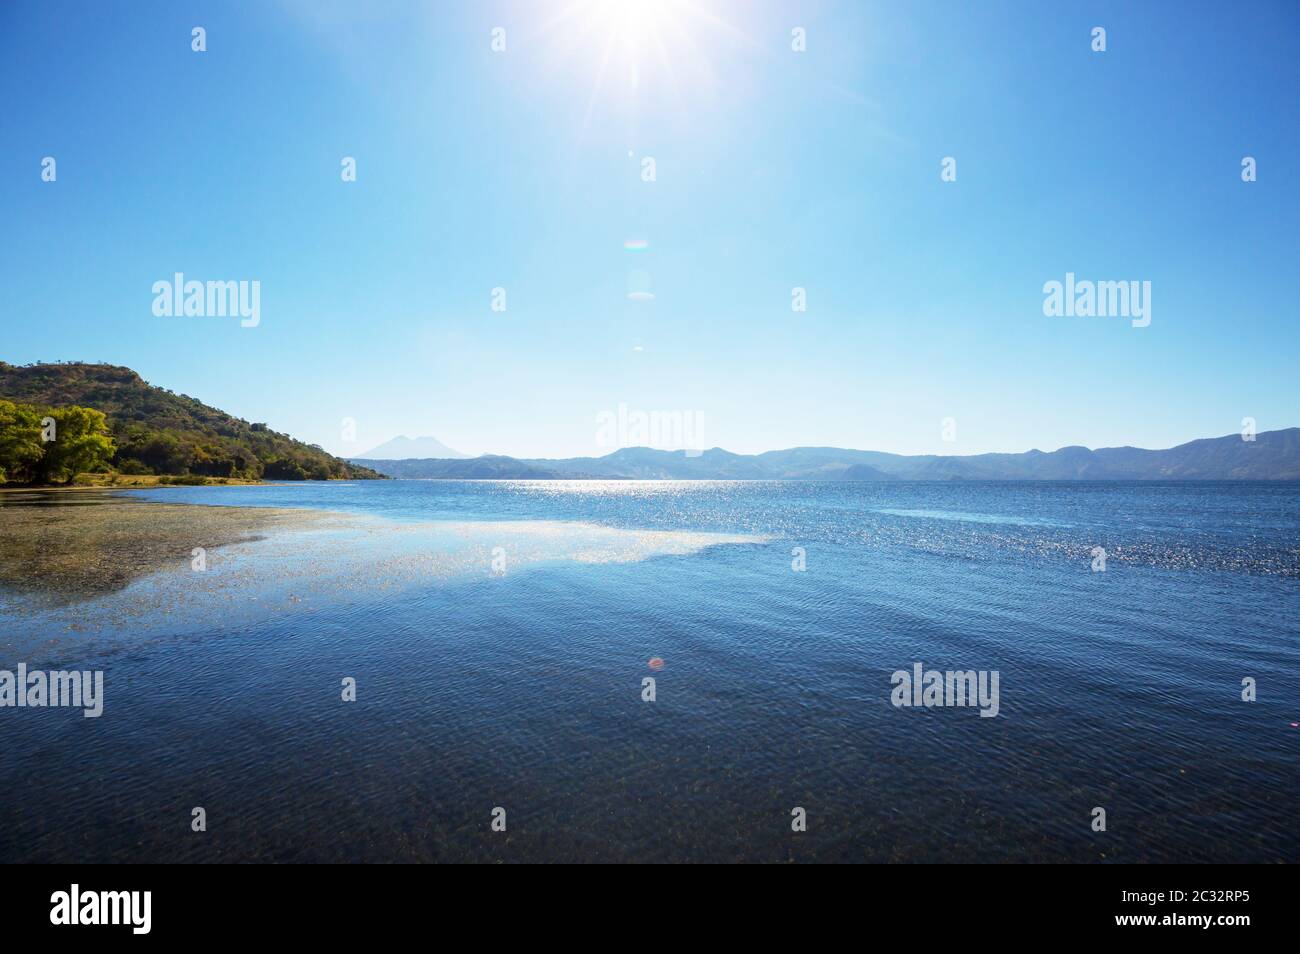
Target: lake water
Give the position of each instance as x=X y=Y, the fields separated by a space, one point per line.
x=499 y=634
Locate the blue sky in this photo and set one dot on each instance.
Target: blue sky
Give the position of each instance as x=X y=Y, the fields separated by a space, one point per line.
x=774 y=169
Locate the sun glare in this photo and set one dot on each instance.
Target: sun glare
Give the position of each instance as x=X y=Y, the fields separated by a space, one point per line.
x=629 y=20
x=630 y=39
x=626 y=31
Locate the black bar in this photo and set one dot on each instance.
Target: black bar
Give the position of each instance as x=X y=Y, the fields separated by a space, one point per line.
x=214 y=903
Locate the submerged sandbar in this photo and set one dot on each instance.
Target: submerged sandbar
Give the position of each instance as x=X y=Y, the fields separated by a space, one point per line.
x=83 y=543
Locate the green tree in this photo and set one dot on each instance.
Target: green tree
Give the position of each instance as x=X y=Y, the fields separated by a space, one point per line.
x=20 y=441
x=159 y=451
x=81 y=443
x=283 y=469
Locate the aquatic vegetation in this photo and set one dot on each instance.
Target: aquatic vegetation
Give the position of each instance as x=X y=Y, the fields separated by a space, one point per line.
x=74 y=544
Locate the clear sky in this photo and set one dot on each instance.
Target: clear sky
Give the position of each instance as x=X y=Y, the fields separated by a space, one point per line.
x=774 y=169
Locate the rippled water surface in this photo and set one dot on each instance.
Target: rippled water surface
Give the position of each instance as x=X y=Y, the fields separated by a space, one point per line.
x=499 y=633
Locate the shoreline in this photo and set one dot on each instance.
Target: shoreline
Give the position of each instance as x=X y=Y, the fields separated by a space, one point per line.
x=151 y=482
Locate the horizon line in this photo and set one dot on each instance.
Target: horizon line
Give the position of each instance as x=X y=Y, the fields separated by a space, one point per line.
x=828 y=447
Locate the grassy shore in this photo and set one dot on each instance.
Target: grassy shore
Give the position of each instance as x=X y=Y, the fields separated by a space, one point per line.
x=82 y=481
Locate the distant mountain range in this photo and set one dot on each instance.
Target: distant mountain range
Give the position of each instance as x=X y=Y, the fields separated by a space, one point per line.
x=405 y=448
x=1273 y=455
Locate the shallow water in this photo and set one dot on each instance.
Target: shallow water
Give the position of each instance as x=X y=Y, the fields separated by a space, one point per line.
x=512 y=677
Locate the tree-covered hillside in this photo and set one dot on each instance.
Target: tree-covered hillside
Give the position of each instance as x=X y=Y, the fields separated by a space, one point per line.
x=156 y=431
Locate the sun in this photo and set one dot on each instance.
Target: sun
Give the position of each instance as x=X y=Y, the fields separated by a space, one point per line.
x=623 y=33
x=630 y=17
x=634 y=38
x=630 y=58
x=632 y=26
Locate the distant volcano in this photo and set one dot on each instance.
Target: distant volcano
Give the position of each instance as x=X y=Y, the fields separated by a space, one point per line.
x=404 y=448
